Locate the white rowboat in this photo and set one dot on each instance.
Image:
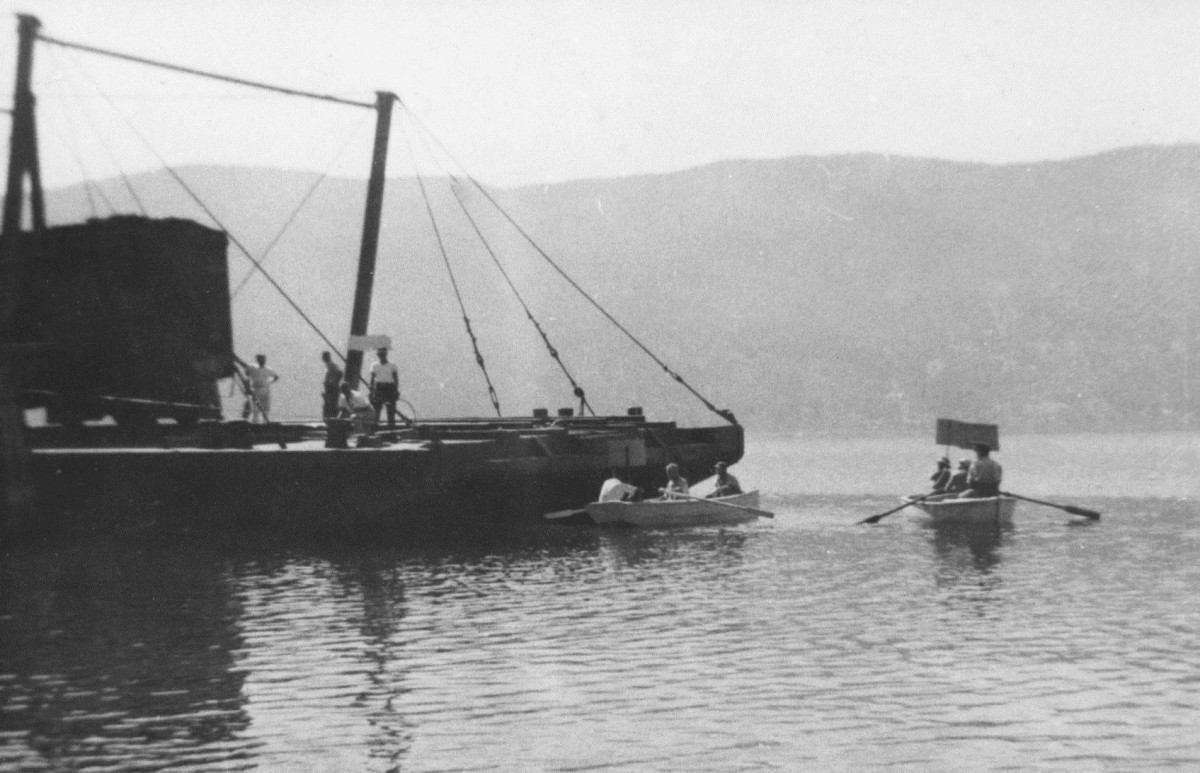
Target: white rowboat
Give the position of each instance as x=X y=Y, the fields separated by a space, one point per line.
x=986 y=510
x=722 y=511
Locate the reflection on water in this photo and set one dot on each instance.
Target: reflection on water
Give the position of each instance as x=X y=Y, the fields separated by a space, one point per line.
x=967 y=552
x=807 y=642
x=117 y=655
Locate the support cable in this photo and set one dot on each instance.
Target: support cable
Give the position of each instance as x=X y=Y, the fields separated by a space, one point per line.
x=722 y=412
x=69 y=141
x=72 y=141
x=577 y=390
x=454 y=282
x=202 y=73
x=90 y=118
x=296 y=212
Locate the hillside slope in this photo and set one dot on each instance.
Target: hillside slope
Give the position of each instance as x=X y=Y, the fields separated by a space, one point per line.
x=845 y=292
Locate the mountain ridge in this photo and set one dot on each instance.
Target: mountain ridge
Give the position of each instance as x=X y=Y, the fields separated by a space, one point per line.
x=857 y=291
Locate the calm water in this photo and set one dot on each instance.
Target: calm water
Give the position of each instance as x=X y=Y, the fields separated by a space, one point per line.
x=804 y=643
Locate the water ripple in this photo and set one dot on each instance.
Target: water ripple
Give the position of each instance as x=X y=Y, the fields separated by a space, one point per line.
x=809 y=642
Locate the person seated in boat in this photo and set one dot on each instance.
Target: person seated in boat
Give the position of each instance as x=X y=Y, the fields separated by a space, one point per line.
x=355 y=405
x=727 y=485
x=941 y=478
x=984 y=475
x=958 y=480
x=615 y=489
x=677 y=485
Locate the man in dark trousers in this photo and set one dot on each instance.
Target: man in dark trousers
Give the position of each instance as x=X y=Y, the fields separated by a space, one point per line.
x=333 y=380
x=385 y=387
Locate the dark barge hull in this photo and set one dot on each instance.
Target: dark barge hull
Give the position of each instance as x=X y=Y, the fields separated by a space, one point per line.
x=443 y=479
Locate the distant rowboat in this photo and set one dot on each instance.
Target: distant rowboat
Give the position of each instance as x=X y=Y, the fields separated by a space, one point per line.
x=949 y=509
x=656 y=513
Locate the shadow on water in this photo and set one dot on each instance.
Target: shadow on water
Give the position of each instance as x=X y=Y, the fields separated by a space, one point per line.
x=968 y=554
x=634 y=547
x=152 y=653
x=118 y=653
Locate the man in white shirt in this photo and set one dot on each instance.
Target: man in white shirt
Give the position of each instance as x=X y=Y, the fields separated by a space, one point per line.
x=677 y=485
x=261 y=378
x=353 y=405
x=385 y=387
x=616 y=490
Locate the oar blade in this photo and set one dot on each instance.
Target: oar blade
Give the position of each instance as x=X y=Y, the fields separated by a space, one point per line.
x=913 y=501
x=1073 y=510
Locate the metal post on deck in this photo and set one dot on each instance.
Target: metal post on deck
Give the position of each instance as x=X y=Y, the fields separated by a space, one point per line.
x=360 y=317
x=22 y=148
x=16 y=489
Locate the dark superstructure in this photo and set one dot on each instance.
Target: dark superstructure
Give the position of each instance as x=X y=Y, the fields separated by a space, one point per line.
x=133 y=315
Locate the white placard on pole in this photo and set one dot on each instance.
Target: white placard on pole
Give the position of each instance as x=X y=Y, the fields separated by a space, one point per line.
x=369 y=342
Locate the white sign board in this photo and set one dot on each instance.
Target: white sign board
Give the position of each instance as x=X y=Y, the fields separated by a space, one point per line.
x=369 y=343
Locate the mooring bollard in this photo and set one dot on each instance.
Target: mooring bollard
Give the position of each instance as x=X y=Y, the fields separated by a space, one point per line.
x=336 y=432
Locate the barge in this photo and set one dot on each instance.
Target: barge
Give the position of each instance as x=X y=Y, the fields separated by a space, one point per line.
x=127 y=319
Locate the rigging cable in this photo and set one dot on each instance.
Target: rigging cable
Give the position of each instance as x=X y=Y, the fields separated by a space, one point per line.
x=295 y=212
x=722 y=412
x=554 y=355
x=108 y=150
x=69 y=141
x=454 y=282
x=212 y=215
x=576 y=389
x=202 y=73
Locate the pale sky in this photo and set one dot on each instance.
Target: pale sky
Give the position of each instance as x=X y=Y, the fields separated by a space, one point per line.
x=524 y=92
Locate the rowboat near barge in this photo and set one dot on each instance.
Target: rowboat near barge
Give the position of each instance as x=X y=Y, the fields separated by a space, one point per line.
x=127 y=319
x=668 y=513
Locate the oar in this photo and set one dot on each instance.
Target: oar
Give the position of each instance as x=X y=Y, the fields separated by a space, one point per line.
x=559 y=515
x=754 y=510
x=881 y=516
x=1072 y=509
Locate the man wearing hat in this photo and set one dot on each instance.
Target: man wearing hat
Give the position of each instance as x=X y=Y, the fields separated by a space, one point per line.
x=727 y=485
x=958 y=481
x=941 y=478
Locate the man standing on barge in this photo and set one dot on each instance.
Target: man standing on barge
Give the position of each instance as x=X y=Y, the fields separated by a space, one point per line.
x=385 y=387
x=332 y=386
x=261 y=378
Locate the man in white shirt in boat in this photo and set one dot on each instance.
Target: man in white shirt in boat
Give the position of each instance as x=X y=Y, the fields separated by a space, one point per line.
x=727 y=485
x=676 y=484
x=615 y=489
x=984 y=475
x=385 y=387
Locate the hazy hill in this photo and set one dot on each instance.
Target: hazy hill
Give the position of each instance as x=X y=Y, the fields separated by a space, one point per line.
x=855 y=291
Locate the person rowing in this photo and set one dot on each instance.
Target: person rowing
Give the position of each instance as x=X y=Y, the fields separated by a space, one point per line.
x=727 y=485
x=958 y=481
x=941 y=477
x=677 y=485
x=983 y=476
